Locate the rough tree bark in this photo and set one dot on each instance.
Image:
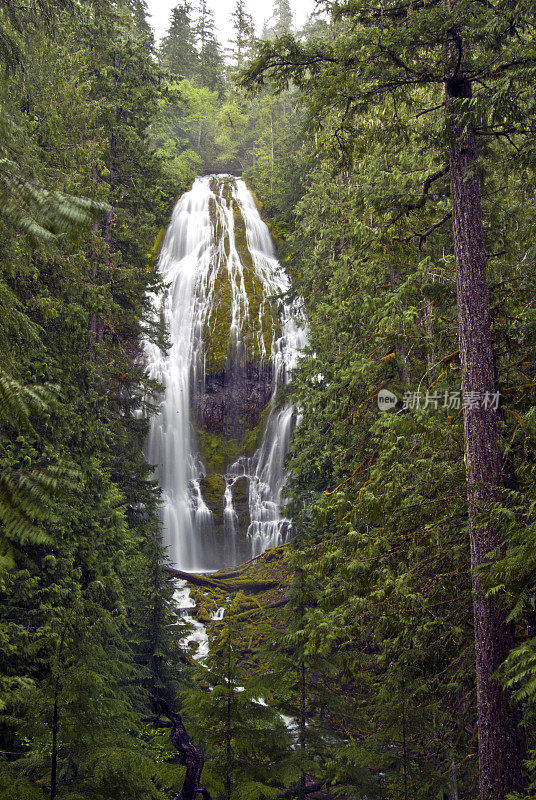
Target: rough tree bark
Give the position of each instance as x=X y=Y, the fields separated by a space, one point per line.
x=499 y=739
x=193 y=757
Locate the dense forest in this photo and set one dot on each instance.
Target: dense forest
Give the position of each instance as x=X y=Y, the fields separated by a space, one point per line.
x=386 y=650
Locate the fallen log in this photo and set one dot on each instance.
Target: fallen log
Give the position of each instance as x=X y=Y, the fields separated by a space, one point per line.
x=222 y=583
x=193 y=757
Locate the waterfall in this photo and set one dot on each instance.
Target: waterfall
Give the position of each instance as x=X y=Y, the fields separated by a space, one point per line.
x=233 y=341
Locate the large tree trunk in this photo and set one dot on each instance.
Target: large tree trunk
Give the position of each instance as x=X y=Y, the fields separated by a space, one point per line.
x=500 y=742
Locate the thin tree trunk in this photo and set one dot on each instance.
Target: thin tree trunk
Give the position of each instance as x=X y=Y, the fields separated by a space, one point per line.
x=401 y=350
x=54 y=754
x=453 y=780
x=93 y=327
x=193 y=757
x=500 y=743
x=228 y=726
x=303 y=779
x=55 y=712
x=428 y=317
x=404 y=740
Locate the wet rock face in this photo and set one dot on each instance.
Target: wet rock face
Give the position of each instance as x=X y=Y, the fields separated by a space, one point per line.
x=231 y=403
x=212 y=489
x=240 y=491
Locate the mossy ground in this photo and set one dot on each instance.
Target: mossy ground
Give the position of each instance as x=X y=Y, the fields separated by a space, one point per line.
x=271 y=574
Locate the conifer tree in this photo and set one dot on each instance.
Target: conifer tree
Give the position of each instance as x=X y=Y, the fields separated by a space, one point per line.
x=281 y=21
x=177 y=51
x=210 y=58
x=282 y=15
x=387 y=66
x=243 y=33
x=83 y=644
x=139 y=11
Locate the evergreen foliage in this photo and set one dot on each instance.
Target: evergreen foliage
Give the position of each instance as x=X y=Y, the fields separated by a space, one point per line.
x=177 y=52
x=85 y=611
x=210 y=57
x=359 y=680
x=244 y=32
x=281 y=21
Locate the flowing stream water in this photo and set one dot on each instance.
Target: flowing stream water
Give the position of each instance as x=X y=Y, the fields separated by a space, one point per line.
x=221 y=276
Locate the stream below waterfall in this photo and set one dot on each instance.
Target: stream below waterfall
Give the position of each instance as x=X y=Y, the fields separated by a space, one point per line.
x=219 y=441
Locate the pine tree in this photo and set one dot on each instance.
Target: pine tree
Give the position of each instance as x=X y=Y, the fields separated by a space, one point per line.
x=281 y=22
x=139 y=12
x=243 y=33
x=282 y=15
x=177 y=51
x=210 y=58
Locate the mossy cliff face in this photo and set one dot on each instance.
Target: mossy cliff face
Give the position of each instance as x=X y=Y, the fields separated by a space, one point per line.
x=230 y=404
x=213 y=490
x=243 y=322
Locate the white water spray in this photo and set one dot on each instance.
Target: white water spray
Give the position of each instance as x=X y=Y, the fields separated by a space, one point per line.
x=199 y=248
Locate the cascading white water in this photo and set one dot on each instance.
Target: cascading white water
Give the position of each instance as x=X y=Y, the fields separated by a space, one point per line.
x=211 y=277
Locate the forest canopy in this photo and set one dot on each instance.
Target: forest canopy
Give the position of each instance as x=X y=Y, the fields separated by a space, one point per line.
x=388 y=648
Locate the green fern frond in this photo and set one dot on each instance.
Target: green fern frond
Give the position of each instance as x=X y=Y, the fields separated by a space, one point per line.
x=14 y=323
x=25 y=206
x=253 y=790
x=519 y=672
x=18 y=402
x=27 y=499
x=38 y=212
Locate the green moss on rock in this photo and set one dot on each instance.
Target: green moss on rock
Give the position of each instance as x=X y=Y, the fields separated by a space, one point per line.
x=213 y=489
x=252 y=437
x=217 y=451
x=262 y=323
x=240 y=492
x=218 y=330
